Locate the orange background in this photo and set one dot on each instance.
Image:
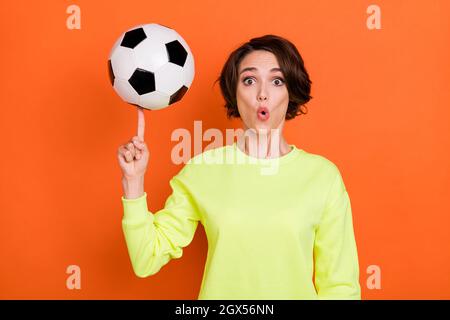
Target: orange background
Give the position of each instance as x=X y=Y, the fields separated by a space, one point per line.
x=380 y=112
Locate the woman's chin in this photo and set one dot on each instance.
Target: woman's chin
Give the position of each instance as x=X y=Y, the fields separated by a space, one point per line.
x=262 y=126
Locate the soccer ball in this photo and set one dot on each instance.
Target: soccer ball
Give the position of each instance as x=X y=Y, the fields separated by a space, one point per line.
x=151 y=66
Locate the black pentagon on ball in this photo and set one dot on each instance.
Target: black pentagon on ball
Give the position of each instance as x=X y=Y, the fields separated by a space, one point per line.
x=178 y=95
x=111 y=73
x=176 y=52
x=133 y=37
x=142 y=81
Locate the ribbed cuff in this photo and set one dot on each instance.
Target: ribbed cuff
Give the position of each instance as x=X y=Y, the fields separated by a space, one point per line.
x=135 y=209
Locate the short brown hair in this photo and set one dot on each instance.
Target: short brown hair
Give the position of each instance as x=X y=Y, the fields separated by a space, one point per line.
x=291 y=65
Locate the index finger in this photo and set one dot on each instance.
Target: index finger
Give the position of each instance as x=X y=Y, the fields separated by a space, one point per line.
x=141 y=123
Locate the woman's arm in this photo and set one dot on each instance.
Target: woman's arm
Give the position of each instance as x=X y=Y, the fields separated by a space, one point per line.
x=153 y=239
x=335 y=252
x=133 y=188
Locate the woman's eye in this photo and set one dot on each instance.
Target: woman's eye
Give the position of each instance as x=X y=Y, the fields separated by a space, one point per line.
x=245 y=79
x=280 y=81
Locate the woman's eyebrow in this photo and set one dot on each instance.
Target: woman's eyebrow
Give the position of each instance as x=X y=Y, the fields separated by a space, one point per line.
x=254 y=69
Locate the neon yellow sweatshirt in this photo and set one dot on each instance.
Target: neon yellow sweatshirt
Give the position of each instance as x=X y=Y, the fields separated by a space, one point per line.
x=277 y=228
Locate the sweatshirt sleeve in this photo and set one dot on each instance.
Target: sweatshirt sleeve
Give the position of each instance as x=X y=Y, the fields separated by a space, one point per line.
x=335 y=252
x=153 y=239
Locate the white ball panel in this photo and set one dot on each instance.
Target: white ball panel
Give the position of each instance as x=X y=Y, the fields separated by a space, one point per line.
x=159 y=33
x=148 y=47
x=126 y=91
x=169 y=78
x=189 y=71
x=116 y=44
x=122 y=61
x=154 y=100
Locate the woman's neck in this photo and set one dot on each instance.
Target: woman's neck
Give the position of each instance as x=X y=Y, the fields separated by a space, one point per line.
x=264 y=144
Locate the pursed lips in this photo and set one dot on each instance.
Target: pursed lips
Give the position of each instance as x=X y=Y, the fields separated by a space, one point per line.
x=263 y=113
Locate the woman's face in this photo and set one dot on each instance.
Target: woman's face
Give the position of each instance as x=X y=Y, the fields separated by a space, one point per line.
x=261 y=86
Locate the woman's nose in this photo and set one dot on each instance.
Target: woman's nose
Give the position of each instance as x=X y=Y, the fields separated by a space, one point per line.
x=262 y=97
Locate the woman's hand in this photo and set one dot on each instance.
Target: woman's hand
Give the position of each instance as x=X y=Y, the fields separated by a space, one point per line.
x=133 y=155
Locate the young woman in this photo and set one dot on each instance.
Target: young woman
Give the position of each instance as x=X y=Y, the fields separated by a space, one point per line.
x=287 y=234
